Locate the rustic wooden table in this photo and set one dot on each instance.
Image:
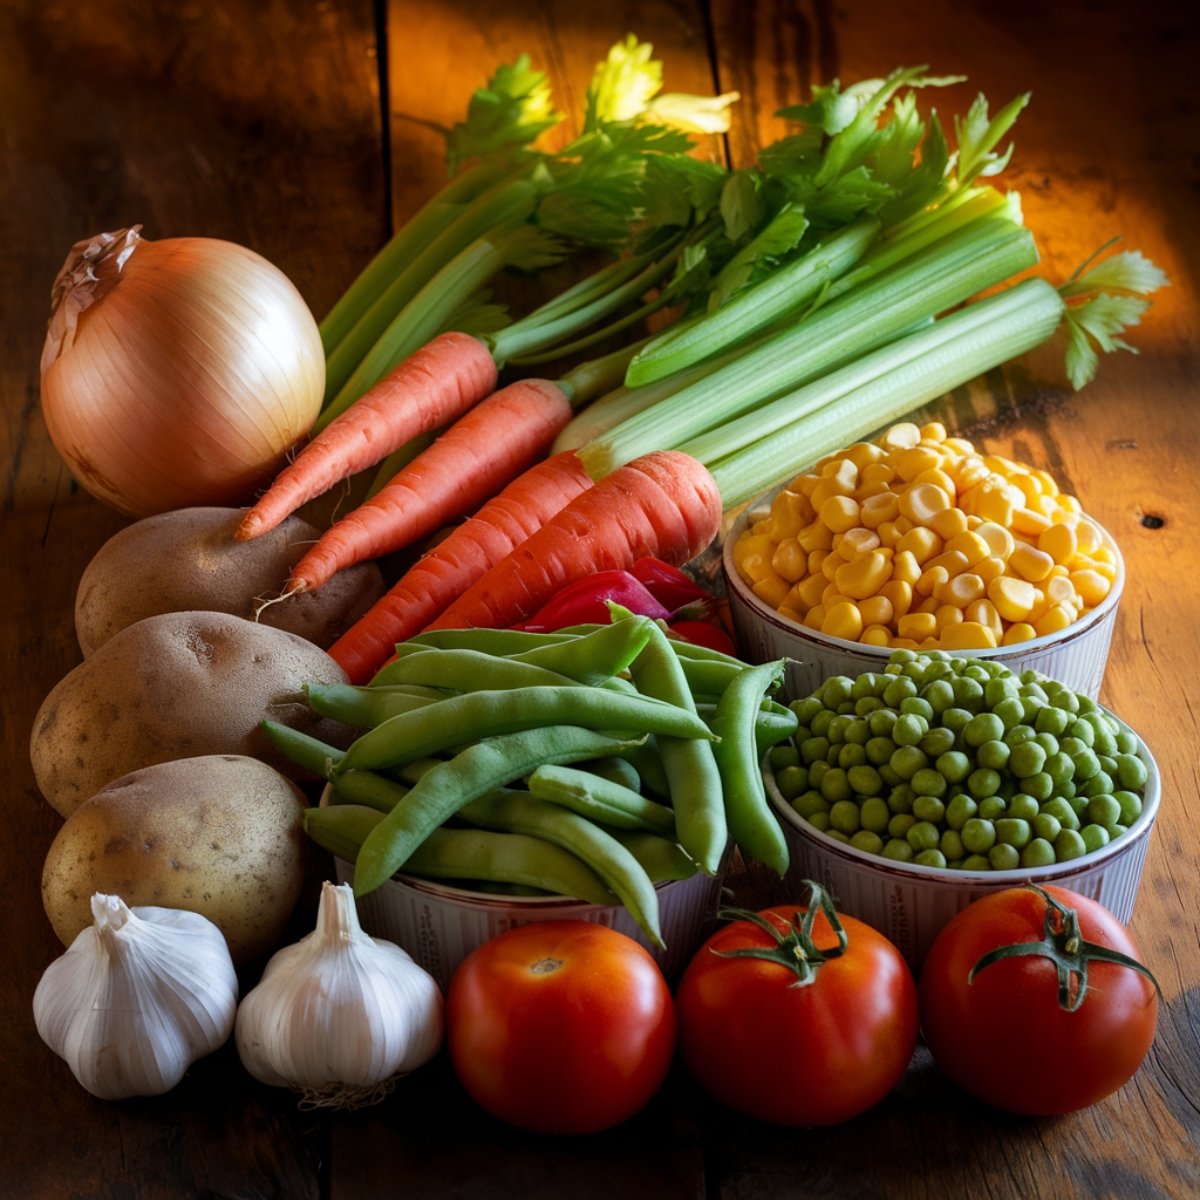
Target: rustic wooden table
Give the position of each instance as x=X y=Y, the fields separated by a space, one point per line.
x=307 y=131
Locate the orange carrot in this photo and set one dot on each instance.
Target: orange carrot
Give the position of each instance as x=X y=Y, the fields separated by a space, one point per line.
x=482 y=451
x=428 y=390
x=446 y=571
x=664 y=504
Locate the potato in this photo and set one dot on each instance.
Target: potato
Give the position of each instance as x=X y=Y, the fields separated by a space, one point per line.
x=175 y=686
x=188 y=561
x=221 y=835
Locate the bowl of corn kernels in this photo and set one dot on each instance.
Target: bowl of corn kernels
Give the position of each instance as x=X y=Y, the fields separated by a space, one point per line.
x=917 y=540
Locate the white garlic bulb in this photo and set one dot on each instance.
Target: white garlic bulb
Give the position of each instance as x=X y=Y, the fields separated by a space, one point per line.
x=138 y=996
x=339 y=1015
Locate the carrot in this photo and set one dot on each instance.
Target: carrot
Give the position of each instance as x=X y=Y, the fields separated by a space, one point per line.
x=428 y=390
x=446 y=571
x=482 y=451
x=664 y=504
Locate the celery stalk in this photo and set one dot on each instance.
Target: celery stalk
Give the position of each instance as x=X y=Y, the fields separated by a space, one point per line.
x=986 y=252
x=798 y=430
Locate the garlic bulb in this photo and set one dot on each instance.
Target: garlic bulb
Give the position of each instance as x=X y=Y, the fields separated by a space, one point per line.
x=138 y=996
x=339 y=1015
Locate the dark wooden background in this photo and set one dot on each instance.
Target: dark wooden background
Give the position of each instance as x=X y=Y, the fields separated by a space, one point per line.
x=309 y=130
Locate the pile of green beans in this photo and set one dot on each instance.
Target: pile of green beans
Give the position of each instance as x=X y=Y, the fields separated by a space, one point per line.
x=960 y=763
x=594 y=762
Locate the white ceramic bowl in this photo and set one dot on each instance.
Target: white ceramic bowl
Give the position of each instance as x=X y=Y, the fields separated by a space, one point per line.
x=909 y=903
x=1076 y=656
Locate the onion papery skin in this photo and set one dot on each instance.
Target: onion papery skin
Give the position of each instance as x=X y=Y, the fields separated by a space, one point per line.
x=178 y=372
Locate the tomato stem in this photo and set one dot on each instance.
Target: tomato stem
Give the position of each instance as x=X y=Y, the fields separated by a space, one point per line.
x=794 y=949
x=1065 y=946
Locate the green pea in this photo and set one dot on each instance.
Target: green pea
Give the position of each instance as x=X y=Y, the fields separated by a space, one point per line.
x=838 y=836
x=909 y=729
x=880 y=750
x=890 y=778
x=1040 y=786
x=983 y=727
x=923 y=835
x=1062 y=697
x=1097 y=785
x=954 y=766
x=1051 y=720
x=1062 y=811
x=866 y=706
x=1094 y=836
x=916 y=707
x=1020 y=735
x=836 y=689
x=867 y=841
x=898 y=850
x=820 y=820
x=976 y=862
x=951 y=845
x=1022 y=807
x=1131 y=806
x=809 y=803
x=1027 y=758
x=1046 y=826
x=1132 y=773
x=843 y=816
x=939 y=695
x=880 y=723
x=1013 y=831
x=1010 y=711
x=850 y=754
x=928 y=782
x=960 y=810
x=783 y=755
x=996 y=690
x=874 y=814
x=1048 y=742
x=863 y=686
x=857 y=732
x=835 y=787
x=1004 y=857
x=900 y=823
x=993 y=754
x=1068 y=845
x=939 y=740
x=1103 y=810
x=1038 y=853
x=820 y=724
x=900 y=798
x=932 y=857
x=908 y=760
x=899 y=688
x=813 y=749
x=836 y=733
x=991 y=808
x=1086 y=763
x=968 y=693
x=864 y=780
x=1031 y=706
x=928 y=808
x=806 y=709
x=1105 y=742
x=816 y=772
x=1082 y=729
x=978 y=835
x=791 y=781
x=956 y=719
x=983 y=781
x=1127 y=741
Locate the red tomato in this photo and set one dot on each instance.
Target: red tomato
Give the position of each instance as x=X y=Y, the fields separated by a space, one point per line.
x=1003 y=1036
x=560 y=1026
x=797 y=1054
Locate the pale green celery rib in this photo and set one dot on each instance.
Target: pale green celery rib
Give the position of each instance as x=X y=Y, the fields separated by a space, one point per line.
x=420 y=319
x=751 y=310
x=983 y=254
x=403 y=245
x=954 y=350
x=506 y=203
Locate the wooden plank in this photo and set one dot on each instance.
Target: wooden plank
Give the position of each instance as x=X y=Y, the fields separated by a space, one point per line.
x=260 y=125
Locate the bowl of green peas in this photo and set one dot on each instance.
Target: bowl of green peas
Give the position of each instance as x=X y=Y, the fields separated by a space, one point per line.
x=913 y=790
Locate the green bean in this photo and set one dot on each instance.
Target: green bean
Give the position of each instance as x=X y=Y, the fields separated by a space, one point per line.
x=341 y=829
x=446 y=787
x=752 y=824
x=662 y=858
x=616 y=770
x=693 y=781
x=601 y=799
x=645 y=759
x=314 y=755
x=476 y=715
x=463 y=670
x=593 y=657
x=369 y=789
x=519 y=812
x=364 y=707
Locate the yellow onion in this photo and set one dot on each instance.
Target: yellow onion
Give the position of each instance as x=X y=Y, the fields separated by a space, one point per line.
x=177 y=372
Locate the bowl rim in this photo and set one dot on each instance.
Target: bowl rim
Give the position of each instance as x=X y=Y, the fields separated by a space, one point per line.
x=741 y=592
x=1051 y=873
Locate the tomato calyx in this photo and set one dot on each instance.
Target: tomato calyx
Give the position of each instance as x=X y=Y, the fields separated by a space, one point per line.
x=1065 y=946
x=794 y=949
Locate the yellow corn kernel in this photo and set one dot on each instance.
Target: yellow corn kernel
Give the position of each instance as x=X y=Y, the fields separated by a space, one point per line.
x=830 y=565
x=805 y=483
x=808 y=592
x=875 y=635
x=1028 y=522
x=1068 y=505
x=994 y=502
x=1014 y=598
x=922 y=501
x=933 y=431
x=983 y=612
x=1000 y=541
x=967 y=635
x=958 y=445
x=751 y=545
x=839 y=513
x=962 y=589
x=856 y=541
x=1091 y=586
x=905 y=567
x=947 y=614
x=876 y=473
x=792 y=614
x=1021 y=631
x=876 y=509
x=970 y=545
x=815 y=537
x=865 y=575
x=949 y=523
x=931 y=578
x=928 y=604
x=815 y=559
x=1029 y=562
x=831 y=596
x=789 y=560
x=938 y=478
x=1046 y=481
x=1060 y=590
x=862 y=454
x=843 y=620
x=889 y=533
x=1055 y=620
x=901 y=436
x=968 y=472
x=772 y=590
x=790 y=511
x=899 y=643
x=754 y=567
x=954 y=562
x=999 y=465
x=923 y=544
x=991 y=568
x=917 y=625
x=909 y=463
x=900 y=593
x=815 y=616
x=876 y=610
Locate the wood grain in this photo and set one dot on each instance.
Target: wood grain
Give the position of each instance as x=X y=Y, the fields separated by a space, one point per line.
x=285 y=126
